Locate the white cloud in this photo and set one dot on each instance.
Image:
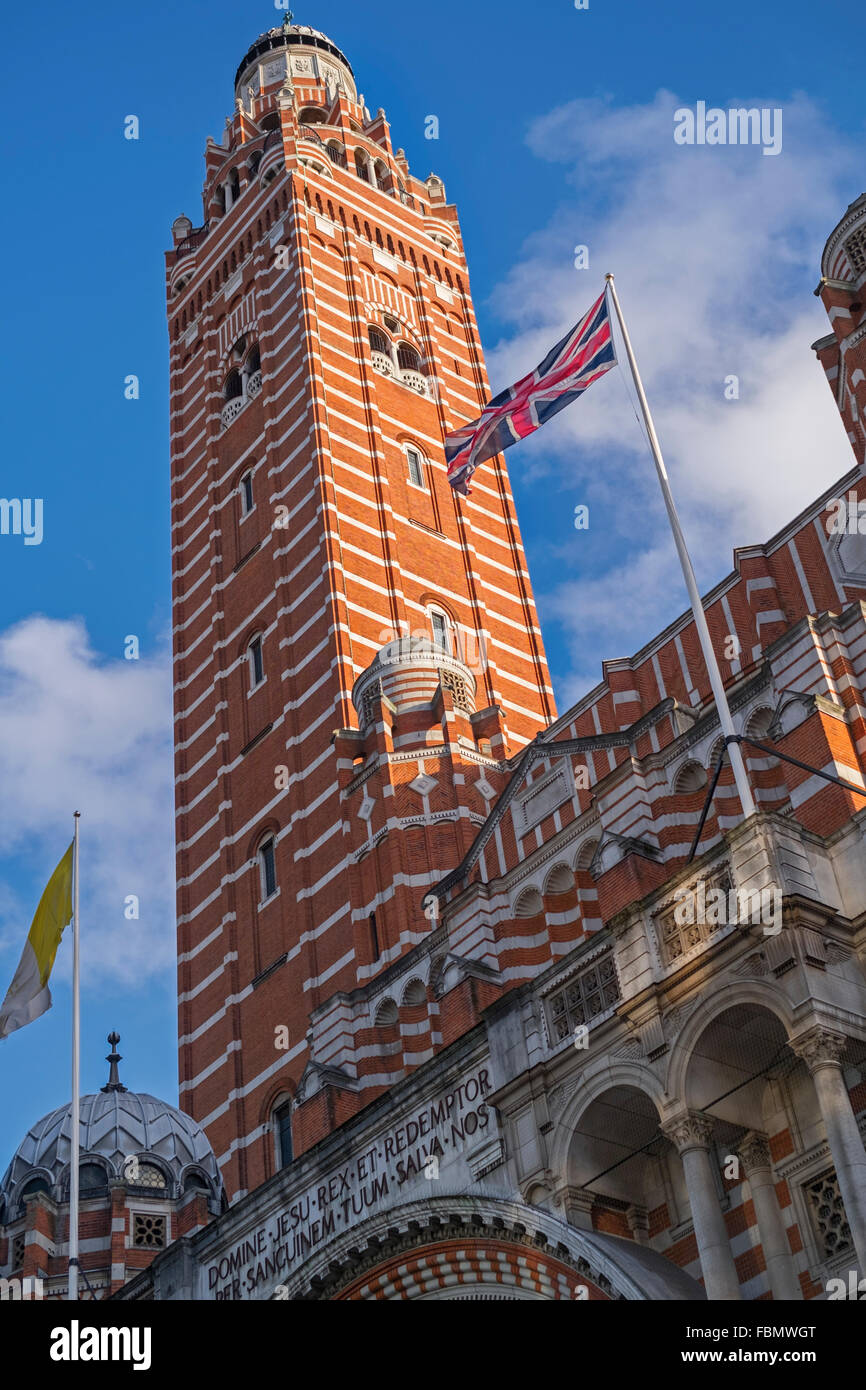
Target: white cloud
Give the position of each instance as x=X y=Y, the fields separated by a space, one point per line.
x=81 y=733
x=716 y=251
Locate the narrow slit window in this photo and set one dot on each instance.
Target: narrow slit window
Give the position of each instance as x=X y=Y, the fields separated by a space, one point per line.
x=268 y=869
x=257 y=665
x=416 y=472
x=247 y=493
x=439 y=624
x=284 y=1134
x=374 y=937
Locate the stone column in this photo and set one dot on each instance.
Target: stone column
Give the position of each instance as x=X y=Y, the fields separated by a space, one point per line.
x=754 y=1152
x=821 y=1049
x=690 y=1133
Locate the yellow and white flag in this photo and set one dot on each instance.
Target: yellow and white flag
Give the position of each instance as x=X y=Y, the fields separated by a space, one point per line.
x=28 y=996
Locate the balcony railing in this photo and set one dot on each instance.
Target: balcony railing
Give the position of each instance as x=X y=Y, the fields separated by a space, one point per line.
x=415 y=380
x=232 y=409
x=382 y=363
x=192 y=242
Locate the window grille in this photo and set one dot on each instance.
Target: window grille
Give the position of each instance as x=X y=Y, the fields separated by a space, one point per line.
x=148 y=1231
x=828 y=1214
x=591 y=993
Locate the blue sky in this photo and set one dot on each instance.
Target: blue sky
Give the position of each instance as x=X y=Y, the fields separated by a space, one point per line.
x=555 y=130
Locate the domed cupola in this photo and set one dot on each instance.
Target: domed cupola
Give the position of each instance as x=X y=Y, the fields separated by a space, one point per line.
x=308 y=54
x=125 y=1135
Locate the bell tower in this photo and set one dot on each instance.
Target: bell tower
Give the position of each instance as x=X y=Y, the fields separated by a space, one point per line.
x=356 y=650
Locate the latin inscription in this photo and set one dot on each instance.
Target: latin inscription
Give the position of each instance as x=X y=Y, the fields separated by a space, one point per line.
x=350 y=1193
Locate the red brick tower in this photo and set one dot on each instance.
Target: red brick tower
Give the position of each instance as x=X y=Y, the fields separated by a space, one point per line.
x=842 y=290
x=355 y=650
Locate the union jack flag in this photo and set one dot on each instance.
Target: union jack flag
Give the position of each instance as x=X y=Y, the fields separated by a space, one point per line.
x=583 y=355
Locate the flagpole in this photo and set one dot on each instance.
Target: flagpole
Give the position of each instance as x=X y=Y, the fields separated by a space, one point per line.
x=715 y=675
x=75 y=1137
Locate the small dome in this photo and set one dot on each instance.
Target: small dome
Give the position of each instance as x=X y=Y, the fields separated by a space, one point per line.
x=288 y=36
x=409 y=670
x=130 y=1135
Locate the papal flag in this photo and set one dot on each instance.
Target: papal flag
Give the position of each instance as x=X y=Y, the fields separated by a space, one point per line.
x=28 y=996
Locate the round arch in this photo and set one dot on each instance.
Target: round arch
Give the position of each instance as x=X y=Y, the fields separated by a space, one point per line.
x=560 y=880
x=599 y=1077
x=762 y=993
x=549 y=1258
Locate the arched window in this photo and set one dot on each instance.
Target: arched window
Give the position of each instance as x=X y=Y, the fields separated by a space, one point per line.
x=233 y=388
x=408 y=358
x=416 y=466
x=337 y=154
x=361 y=166
x=312 y=115
x=283 y=1133
x=256 y=661
x=270 y=122
x=378 y=341
x=247 y=501
x=148 y=1175
x=91 y=1177
x=267 y=868
x=195 y=1182
x=33 y=1186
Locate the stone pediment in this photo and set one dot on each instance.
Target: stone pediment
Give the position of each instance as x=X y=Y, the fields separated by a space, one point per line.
x=317 y=1077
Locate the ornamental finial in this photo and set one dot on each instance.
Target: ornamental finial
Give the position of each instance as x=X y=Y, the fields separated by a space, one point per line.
x=113 y=1058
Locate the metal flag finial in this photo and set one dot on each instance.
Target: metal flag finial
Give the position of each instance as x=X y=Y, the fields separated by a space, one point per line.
x=114 y=1083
